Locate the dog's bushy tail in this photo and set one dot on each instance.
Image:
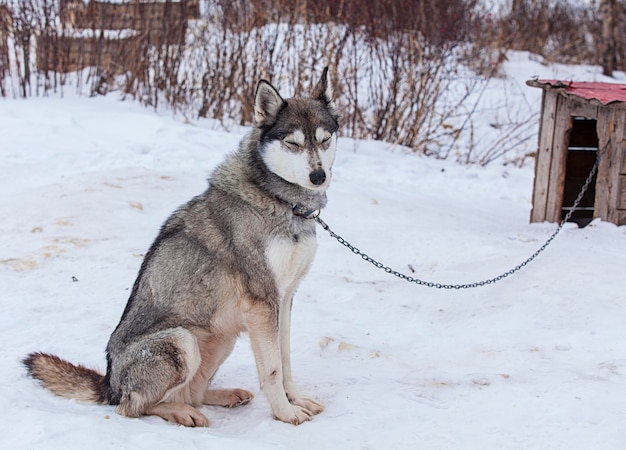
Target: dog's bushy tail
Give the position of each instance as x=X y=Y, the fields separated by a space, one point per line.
x=66 y=379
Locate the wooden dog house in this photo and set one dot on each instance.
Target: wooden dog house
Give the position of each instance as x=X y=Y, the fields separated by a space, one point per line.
x=578 y=120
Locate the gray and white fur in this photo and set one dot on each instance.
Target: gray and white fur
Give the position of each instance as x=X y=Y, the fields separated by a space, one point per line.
x=228 y=261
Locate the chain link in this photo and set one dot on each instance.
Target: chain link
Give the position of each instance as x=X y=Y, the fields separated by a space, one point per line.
x=493 y=280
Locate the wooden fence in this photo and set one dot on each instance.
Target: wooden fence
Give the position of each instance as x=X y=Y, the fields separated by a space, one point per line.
x=5 y=29
x=112 y=36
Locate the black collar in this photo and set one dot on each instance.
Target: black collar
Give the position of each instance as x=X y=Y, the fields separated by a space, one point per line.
x=304 y=212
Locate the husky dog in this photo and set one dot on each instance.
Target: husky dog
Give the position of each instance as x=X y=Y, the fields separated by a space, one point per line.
x=227 y=262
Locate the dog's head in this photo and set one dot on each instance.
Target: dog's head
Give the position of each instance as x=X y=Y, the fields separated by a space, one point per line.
x=298 y=135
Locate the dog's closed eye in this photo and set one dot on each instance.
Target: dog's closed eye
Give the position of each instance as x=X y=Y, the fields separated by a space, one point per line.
x=322 y=135
x=295 y=139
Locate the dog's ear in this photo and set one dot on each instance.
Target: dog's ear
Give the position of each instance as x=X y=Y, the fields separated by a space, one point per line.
x=267 y=103
x=324 y=90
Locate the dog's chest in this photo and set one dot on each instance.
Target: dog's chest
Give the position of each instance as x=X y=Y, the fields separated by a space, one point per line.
x=290 y=260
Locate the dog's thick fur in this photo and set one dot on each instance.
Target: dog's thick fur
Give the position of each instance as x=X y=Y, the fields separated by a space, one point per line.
x=226 y=262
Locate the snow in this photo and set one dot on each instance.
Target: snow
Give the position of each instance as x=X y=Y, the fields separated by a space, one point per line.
x=537 y=360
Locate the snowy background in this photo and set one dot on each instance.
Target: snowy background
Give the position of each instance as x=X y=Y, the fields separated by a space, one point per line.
x=535 y=361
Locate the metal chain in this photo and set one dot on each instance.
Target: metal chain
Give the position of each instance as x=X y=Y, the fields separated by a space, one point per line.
x=431 y=284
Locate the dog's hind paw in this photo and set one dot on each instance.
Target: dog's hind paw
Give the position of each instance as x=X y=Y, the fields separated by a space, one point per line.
x=228 y=398
x=179 y=413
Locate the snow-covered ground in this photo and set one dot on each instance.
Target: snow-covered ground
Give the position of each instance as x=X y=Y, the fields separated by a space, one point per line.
x=537 y=361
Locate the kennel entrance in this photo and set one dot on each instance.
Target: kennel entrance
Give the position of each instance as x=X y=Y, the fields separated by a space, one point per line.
x=582 y=151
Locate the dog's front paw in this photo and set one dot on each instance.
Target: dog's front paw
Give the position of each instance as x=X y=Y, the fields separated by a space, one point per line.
x=294 y=415
x=312 y=406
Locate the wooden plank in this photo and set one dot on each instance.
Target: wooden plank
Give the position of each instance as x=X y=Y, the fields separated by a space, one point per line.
x=620 y=132
x=150 y=16
x=611 y=123
x=562 y=128
x=543 y=158
x=621 y=203
x=619 y=216
x=582 y=108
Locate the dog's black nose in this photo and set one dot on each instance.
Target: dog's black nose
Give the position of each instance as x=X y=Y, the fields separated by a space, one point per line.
x=317 y=177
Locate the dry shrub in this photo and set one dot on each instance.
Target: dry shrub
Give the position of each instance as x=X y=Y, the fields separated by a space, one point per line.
x=398 y=66
x=559 y=31
x=391 y=61
x=564 y=32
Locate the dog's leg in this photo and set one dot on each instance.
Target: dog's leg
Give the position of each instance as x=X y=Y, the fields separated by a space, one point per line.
x=214 y=351
x=292 y=391
x=152 y=370
x=262 y=322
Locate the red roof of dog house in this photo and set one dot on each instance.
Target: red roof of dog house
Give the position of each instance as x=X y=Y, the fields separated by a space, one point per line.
x=603 y=92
